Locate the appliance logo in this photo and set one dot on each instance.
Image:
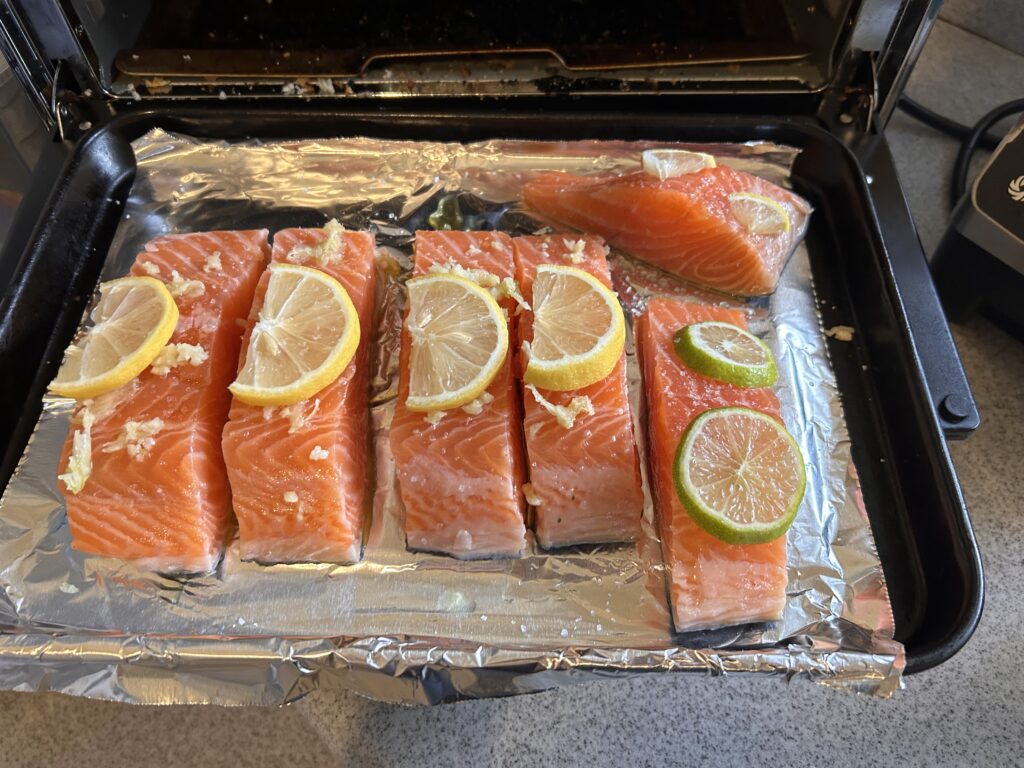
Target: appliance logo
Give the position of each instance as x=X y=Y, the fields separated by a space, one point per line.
x=1016 y=189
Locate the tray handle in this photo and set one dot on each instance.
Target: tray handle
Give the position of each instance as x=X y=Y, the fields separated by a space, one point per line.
x=948 y=387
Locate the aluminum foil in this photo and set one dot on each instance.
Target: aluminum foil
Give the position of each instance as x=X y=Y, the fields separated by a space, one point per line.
x=414 y=627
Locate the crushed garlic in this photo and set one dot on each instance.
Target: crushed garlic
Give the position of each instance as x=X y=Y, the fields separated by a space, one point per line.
x=174 y=355
x=296 y=415
x=150 y=267
x=80 y=461
x=327 y=251
x=565 y=415
x=840 y=332
x=433 y=418
x=291 y=497
x=531 y=495
x=318 y=454
x=189 y=289
x=137 y=438
x=576 y=247
x=475 y=407
x=213 y=263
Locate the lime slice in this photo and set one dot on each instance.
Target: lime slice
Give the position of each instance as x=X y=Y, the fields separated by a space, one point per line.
x=669 y=163
x=726 y=352
x=758 y=214
x=740 y=475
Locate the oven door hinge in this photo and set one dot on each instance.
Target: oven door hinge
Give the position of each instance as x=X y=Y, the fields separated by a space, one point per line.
x=849 y=105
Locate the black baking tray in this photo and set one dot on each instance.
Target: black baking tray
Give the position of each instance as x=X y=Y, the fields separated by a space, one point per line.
x=921 y=526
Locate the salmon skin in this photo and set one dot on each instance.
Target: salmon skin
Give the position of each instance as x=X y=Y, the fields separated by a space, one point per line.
x=585 y=480
x=460 y=478
x=712 y=583
x=160 y=496
x=683 y=225
x=298 y=472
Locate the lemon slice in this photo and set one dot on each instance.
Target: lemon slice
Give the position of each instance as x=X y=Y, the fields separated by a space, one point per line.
x=726 y=352
x=758 y=214
x=740 y=475
x=306 y=335
x=578 y=329
x=134 y=319
x=459 y=340
x=669 y=163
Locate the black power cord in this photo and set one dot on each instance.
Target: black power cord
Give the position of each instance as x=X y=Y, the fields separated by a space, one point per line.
x=932 y=119
x=963 y=158
x=971 y=137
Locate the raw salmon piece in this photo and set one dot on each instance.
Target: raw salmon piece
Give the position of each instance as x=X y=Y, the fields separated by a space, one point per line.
x=162 y=498
x=713 y=584
x=585 y=479
x=683 y=225
x=460 y=479
x=298 y=473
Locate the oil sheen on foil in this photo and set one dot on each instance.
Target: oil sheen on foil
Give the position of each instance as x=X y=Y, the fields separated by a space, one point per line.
x=414 y=627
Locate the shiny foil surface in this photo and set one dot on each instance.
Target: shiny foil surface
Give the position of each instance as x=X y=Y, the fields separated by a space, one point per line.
x=414 y=627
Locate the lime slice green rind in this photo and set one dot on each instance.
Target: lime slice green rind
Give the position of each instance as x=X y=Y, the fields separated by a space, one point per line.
x=715 y=522
x=713 y=363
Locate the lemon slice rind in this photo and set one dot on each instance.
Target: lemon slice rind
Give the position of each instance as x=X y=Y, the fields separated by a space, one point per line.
x=491 y=331
x=315 y=377
x=106 y=317
x=569 y=371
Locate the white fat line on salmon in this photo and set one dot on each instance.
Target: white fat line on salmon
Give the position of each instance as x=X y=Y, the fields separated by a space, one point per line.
x=189 y=289
x=80 y=460
x=213 y=263
x=534 y=430
x=318 y=454
x=296 y=415
x=151 y=268
x=575 y=254
x=531 y=495
x=174 y=355
x=137 y=438
x=327 y=251
x=499 y=288
x=565 y=415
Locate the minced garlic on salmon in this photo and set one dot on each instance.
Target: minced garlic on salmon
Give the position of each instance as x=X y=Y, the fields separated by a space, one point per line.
x=213 y=263
x=329 y=250
x=565 y=415
x=575 y=253
x=137 y=438
x=80 y=463
x=189 y=289
x=174 y=355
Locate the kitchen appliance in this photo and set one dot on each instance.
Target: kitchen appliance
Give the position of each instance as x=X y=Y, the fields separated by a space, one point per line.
x=823 y=76
x=979 y=263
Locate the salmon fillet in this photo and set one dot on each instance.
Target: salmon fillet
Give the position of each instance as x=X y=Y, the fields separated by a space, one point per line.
x=586 y=479
x=163 y=497
x=712 y=583
x=683 y=225
x=316 y=449
x=460 y=479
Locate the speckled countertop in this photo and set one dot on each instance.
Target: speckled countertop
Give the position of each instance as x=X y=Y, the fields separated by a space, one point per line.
x=968 y=711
